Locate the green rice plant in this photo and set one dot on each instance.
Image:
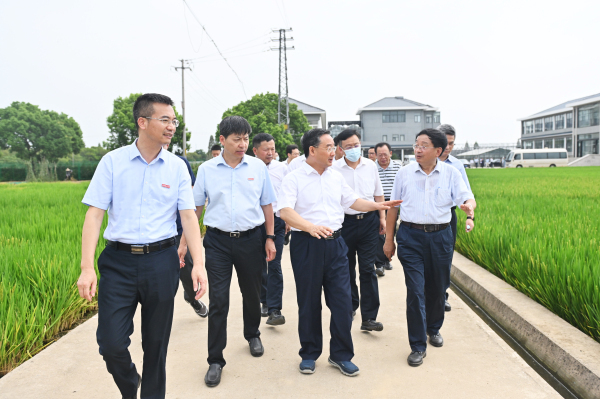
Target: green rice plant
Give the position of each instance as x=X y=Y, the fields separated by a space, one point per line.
x=539 y=230
x=40 y=247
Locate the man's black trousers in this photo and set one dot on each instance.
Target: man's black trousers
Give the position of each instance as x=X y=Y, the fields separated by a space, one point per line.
x=453 y=223
x=185 y=275
x=322 y=265
x=361 y=237
x=127 y=279
x=272 y=280
x=222 y=254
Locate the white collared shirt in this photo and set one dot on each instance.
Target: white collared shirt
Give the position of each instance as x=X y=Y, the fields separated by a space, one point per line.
x=277 y=171
x=319 y=199
x=427 y=199
x=364 y=179
x=296 y=163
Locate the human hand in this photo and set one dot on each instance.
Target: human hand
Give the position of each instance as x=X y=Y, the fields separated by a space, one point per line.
x=199 y=280
x=382 y=225
x=87 y=283
x=470 y=225
x=320 y=231
x=288 y=228
x=468 y=209
x=181 y=252
x=270 y=250
x=389 y=204
x=389 y=248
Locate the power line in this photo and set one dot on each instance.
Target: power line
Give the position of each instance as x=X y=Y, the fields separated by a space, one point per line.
x=203 y=86
x=237 y=56
x=227 y=53
x=215 y=44
x=190 y=36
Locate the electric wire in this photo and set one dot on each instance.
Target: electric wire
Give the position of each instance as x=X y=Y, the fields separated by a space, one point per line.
x=190 y=36
x=206 y=90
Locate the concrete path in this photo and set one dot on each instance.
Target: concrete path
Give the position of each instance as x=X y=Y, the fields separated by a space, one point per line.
x=473 y=363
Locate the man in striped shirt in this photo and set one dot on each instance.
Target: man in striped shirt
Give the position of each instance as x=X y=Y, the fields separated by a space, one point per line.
x=387 y=169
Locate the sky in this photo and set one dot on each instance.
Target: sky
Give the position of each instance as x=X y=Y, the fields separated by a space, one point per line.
x=484 y=64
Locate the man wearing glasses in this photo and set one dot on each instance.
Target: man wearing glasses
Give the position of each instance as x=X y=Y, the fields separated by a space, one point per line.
x=446 y=157
x=361 y=230
x=428 y=189
x=387 y=169
x=143 y=186
x=313 y=200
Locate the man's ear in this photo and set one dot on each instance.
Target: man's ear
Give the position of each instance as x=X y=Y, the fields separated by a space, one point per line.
x=142 y=123
x=222 y=140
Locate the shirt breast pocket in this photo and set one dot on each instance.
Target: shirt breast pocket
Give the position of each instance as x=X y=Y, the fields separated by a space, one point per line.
x=167 y=193
x=443 y=197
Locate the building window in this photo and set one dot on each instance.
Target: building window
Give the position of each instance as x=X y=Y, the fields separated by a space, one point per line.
x=559 y=121
x=539 y=125
x=384 y=138
x=393 y=116
x=436 y=117
x=569 y=145
x=427 y=118
x=394 y=137
x=559 y=143
x=528 y=145
x=549 y=123
x=418 y=118
x=527 y=127
x=569 y=120
x=538 y=144
x=548 y=143
x=402 y=137
x=588 y=115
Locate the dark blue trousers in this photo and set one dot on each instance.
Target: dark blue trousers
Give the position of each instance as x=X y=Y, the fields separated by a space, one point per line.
x=362 y=237
x=272 y=280
x=126 y=280
x=318 y=265
x=426 y=260
x=223 y=253
x=453 y=223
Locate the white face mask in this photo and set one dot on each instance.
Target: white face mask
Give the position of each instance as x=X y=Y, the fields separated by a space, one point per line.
x=353 y=154
x=277 y=157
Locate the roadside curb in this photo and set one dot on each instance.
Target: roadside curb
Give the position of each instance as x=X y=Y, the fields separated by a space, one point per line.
x=569 y=353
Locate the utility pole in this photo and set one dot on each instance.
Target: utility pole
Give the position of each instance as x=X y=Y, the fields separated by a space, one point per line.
x=283 y=115
x=183 y=68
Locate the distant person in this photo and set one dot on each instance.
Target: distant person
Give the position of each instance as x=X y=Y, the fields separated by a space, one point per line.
x=372 y=155
x=215 y=150
x=471 y=163
x=387 y=168
x=276 y=156
x=68 y=174
x=339 y=153
x=503 y=162
x=481 y=162
x=424 y=238
x=292 y=152
x=142 y=186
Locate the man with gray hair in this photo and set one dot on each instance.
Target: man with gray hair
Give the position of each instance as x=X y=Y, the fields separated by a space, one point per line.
x=450 y=133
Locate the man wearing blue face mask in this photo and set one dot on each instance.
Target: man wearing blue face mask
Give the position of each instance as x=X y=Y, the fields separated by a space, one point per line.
x=361 y=230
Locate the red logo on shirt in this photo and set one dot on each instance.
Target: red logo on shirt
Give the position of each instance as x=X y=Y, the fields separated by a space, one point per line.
x=250 y=178
x=166 y=186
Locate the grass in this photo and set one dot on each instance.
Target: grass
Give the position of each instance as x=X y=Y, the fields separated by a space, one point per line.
x=40 y=243
x=538 y=229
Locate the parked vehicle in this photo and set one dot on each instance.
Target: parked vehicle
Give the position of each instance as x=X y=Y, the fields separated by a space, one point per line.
x=409 y=159
x=546 y=157
x=465 y=163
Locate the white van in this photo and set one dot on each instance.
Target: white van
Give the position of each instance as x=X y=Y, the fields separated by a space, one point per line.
x=546 y=157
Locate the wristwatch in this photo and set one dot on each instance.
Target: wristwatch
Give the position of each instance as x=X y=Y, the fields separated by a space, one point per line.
x=468 y=217
x=272 y=237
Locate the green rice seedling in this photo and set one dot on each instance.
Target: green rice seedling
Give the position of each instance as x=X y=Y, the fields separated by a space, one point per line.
x=539 y=230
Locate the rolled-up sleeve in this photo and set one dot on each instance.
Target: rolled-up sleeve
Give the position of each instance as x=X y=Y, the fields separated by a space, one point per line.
x=267 y=195
x=349 y=197
x=186 y=196
x=199 y=188
x=288 y=194
x=100 y=191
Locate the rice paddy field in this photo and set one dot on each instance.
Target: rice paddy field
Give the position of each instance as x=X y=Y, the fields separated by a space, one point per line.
x=40 y=257
x=539 y=230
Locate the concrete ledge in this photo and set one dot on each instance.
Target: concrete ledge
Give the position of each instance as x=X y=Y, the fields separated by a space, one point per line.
x=568 y=352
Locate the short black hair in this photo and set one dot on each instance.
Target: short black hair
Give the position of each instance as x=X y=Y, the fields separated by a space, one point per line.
x=346 y=134
x=312 y=138
x=259 y=138
x=234 y=125
x=382 y=144
x=372 y=148
x=438 y=139
x=215 y=147
x=290 y=148
x=447 y=129
x=143 y=105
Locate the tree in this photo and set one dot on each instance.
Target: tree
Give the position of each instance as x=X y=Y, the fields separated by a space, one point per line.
x=34 y=134
x=467 y=148
x=123 y=129
x=261 y=113
x=94 y=154
x=211 y=142
x=475 y=146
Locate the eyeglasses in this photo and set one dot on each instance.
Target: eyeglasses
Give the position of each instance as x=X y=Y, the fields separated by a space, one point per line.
x=329 y=148
x=165 y=121
x=420 y=147
x=349 y=147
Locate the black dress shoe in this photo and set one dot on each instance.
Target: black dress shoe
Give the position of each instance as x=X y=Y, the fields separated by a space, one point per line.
x=436 y=340
x=213 y=375
x=388 y=266
x=136 y=389
x=264 y=310
x=371 y=325
x=447 y=306
x=276 y=318
x=416 y=358
x=256 y=347
x=379 y=271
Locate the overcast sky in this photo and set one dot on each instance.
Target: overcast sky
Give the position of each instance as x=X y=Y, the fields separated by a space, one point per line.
x=482 y=63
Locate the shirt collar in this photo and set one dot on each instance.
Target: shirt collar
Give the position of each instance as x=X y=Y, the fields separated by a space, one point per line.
x=221 y=160
x=134 y=152
x=309 y=169
x=438 y=166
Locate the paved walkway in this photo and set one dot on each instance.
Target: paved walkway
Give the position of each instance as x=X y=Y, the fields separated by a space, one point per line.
x=474 y=362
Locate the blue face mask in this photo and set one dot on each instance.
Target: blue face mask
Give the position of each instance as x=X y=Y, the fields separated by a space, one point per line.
x=353 y=154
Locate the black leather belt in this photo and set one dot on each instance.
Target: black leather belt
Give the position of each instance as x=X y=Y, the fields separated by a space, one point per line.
x=453 y=208
x=232 y=234
x=139 y=249
x=427 y=228
x=336 y=234
x=359 y=216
